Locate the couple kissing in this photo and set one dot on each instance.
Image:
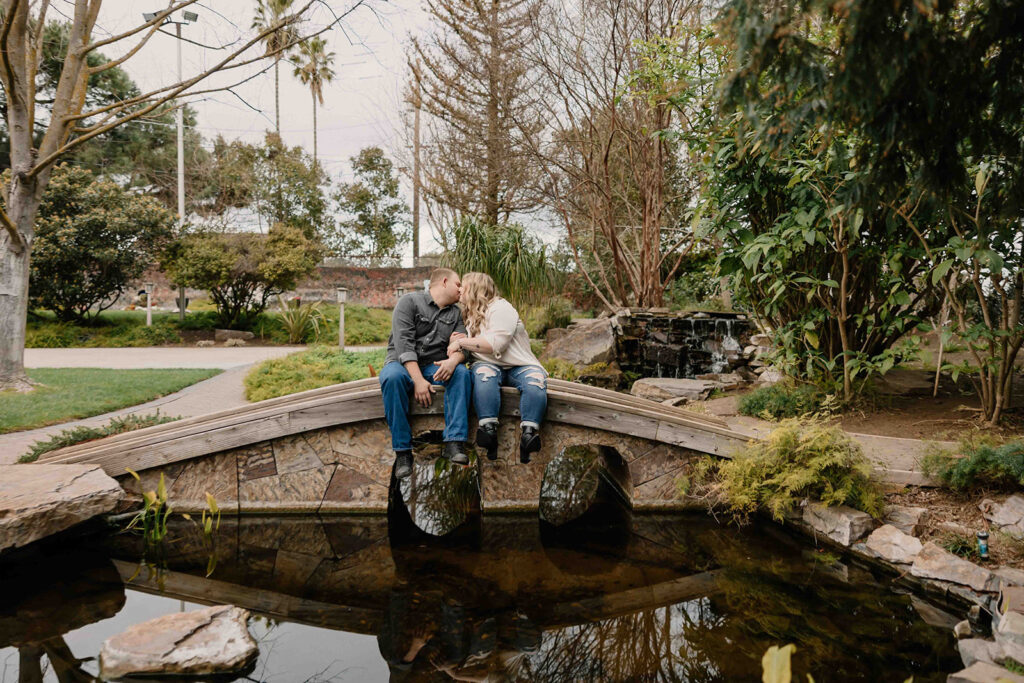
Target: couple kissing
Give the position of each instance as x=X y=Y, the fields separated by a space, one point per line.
x=432 y=340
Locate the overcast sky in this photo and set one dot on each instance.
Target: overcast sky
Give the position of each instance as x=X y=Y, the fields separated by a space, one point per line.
x=361 y=106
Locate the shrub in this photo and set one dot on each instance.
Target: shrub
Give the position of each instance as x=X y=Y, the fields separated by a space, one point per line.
x=984 y=464
x=557 y=312
x=301 y=322
x=318 y=367
x=92 y=238
x=117 y=425
x=798 y=460
x=561 y=369
x=780 y=401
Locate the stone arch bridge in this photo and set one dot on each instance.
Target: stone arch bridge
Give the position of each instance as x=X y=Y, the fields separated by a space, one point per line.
x=328 y=450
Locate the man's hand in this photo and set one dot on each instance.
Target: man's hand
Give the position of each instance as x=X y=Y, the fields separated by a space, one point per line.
x=445 y=369
x=421 y=392
x=455 y=346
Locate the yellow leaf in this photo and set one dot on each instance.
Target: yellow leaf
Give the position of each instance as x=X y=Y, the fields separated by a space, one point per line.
x=133 y=473
x=775 y=664
x=161 y=488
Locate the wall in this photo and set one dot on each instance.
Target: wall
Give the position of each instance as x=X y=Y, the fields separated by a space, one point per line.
x=656 y=344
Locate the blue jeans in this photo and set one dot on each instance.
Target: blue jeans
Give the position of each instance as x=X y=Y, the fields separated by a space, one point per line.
x=396 y=388
x=531 y=380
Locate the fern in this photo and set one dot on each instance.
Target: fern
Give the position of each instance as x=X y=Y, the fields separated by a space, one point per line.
x=798 y=460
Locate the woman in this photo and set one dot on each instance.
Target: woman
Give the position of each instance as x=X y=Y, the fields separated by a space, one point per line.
x=502 y=356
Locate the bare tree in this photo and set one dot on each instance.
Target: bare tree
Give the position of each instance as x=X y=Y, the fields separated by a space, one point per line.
x=71 y=124
x=474 y=84
x=618 y=185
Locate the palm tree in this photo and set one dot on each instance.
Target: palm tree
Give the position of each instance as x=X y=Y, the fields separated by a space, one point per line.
x=270 y=13
x=313 y=67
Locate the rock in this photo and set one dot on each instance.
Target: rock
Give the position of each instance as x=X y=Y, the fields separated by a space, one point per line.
x=842 y=524
x=610 y=377
x=662 y=388
x=1008 y=576
x=235 y=342
x=554 y=334
x=749 y=350
x=728 y=381
x=760 y=340
x=39 y=500
x=584 y=343
x=746 y=373
x=935 y=563
x=983 y=672
x=203 y=343
x=979 y=650
x=963 y=630
x=676 y=402
x=932 y=615
x=905 y=382
x=893 y=545
x=954 y=528
x=1010 y=629
x=224 y=335
x=1011 y=599
x=909 y=520
x=209 y=641
x=769 y=376
x=1008 y=515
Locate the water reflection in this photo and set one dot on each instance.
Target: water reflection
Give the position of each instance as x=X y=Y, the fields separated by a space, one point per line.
x=580 y=477
x=438 y=497
x=628 y=597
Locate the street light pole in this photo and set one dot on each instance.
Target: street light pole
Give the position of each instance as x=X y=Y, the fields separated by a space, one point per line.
x=342 y=298
x=181 y=172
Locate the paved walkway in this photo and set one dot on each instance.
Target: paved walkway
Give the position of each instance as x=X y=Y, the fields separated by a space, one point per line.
x=221 y=392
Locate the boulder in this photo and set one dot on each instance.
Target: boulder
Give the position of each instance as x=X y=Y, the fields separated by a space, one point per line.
x=728 y=381
x=842 y=524
x=983 y=672
x=892 y=545
x=584 y=343
x=760 y=340
x=909 y=520
x=1008 y=576
x=39 y=500
x=1011 y=599
x=963 y=630
x=209 y=641
x=554 y=334
x=932 y=615
x=663 y=388
x=1008 y=515
x=979 y=650
x=935 y=563
x=906 y=382
x=769 y=376
x=224 y=335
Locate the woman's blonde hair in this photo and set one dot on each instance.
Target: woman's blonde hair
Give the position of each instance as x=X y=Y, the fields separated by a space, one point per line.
x=478 y=291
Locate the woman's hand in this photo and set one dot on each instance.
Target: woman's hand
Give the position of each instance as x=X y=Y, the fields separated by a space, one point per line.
x=456 y=345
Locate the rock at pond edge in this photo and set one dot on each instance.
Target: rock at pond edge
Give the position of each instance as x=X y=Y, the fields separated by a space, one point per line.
x=208 y=641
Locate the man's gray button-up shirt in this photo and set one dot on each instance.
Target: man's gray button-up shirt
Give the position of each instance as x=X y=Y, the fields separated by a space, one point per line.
x=420 y=329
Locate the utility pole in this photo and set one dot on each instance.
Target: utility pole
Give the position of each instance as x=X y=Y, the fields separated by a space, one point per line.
x=417 y=102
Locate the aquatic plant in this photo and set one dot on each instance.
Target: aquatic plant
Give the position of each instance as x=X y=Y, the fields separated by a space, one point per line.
x=155 y=511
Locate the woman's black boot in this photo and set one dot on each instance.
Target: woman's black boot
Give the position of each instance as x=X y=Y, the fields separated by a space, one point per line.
x=528 y=443
x=487 y=438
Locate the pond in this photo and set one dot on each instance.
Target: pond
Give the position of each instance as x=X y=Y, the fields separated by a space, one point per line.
x=611 y=596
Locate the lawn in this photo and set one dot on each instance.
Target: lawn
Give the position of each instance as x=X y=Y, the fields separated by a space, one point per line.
x=74 y=393
x=319 y=367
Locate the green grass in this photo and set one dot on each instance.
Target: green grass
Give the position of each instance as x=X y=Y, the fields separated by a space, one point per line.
x=318 y=367
x=73 y=393
x=117 y=425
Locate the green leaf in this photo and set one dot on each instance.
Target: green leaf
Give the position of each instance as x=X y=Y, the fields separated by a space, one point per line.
x=941 y=270
x=812 y=338
x=776 y=666
x=831 y=283
x=902 y=298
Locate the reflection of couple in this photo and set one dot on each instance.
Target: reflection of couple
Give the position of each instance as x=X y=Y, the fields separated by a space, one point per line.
x=429 y=342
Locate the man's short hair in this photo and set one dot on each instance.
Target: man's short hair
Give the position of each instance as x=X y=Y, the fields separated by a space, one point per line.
x=438 y=274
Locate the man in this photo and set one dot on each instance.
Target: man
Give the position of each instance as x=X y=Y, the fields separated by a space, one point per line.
x=418 y=360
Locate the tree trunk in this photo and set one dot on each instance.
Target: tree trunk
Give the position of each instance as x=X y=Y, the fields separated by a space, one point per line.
x=314 y=130
x=14 y=272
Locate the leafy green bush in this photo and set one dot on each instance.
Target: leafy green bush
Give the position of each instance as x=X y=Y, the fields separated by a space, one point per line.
x=561 y=369
x=117 y=425
x=198 y=320
x=301 y=322
x=50 y=335
x=780 y=401
x=798 y=460
x=984 y=464
x=557 y=312
x=318 y=367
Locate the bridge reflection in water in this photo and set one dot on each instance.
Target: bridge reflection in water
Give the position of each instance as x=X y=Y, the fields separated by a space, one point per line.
x=642 y=597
